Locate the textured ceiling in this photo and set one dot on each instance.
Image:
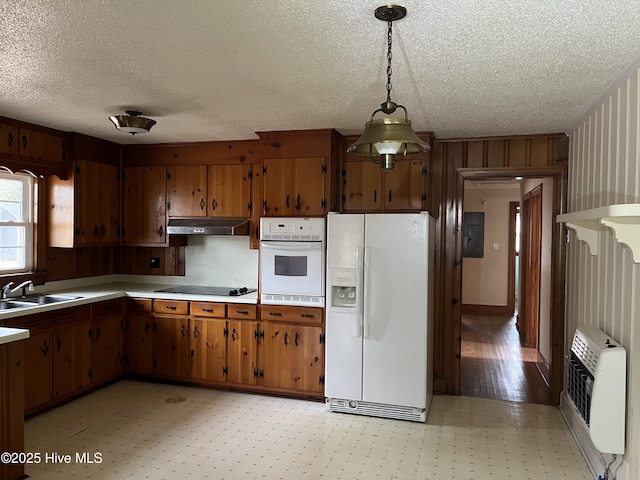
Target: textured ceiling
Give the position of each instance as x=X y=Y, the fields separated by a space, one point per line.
x=210 y=70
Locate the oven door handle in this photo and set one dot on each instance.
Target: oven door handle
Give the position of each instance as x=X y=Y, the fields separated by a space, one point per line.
x=291 y=245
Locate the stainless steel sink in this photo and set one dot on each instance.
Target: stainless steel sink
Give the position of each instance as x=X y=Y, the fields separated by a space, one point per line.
x=42 y=300
x=8 y=304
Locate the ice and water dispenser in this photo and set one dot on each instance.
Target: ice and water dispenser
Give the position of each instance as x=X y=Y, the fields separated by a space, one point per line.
x=343 y=287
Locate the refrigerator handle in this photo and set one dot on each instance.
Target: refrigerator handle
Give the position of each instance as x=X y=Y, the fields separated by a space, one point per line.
x=366 y=315
x=359 y=293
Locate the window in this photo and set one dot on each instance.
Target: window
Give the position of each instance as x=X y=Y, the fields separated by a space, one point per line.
x=16 y=223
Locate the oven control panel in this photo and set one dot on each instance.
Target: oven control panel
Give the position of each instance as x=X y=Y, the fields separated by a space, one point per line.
x=292 y=229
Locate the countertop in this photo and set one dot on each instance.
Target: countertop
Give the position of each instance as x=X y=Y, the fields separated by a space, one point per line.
x=8 y=335
x=108 y=291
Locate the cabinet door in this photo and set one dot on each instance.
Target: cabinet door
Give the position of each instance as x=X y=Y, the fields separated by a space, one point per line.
x=279 y=195
x=144 y=214
x=405 y=186
x=9 y=140
x=71 y=358
x=229 y=190
x=38 y=370
x=309 y=199
x=42 y=146
x=186 y=191
x=97 y=203
x=208 y=348
x=139 y=348
x=107 y=348
x=170 y=342
x=242 y=348
x=293 y=357
x=362 y=186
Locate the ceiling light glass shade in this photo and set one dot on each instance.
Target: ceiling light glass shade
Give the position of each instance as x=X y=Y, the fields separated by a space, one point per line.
x=132 y=122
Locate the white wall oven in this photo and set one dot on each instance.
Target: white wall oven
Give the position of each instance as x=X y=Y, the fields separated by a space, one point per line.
x=292 y=254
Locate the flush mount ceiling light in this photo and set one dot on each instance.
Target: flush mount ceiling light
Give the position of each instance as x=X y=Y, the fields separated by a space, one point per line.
x=132 y=122
x=388 y=137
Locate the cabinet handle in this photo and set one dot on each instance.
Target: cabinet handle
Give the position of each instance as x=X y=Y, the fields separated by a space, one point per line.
x=44 y=348
x=103 y=230
x=182 y=329
x=275 y=314
x=214 y=204
x=160 y=231
x=286 y=338
x=298 y=203
x=195 y=332
x=97 y=333
x=25 y=142
x=10 y=138
x=375 y=196
x=59 y=343
x=234 y=335
x=202 y=204
x=242 y=312
x=146 y=328
x=287 y=201
x=210 y=310
x=140 y=304
x=307 y=315
x=172 y=307
x=389 y=196
x=96 y=230
x=296 y=340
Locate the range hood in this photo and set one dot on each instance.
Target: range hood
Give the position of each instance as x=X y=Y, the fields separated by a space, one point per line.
x=208 y=226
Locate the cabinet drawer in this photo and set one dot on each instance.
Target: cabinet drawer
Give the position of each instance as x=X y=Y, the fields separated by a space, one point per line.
x=208 y=309
x=106 y=307
x=240 y=310
x=177 y=307
x=292 y=314
x=139 y=305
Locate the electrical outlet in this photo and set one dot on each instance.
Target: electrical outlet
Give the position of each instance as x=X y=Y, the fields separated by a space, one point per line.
x=155 y=262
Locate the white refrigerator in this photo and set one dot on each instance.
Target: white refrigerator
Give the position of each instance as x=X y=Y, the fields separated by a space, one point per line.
x=379 y=314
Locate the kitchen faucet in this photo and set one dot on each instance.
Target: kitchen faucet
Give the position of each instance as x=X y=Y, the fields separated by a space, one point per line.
x=5 y=290
x=23 y=286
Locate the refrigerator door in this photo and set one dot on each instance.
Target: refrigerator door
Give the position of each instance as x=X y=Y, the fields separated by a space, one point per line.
x=396 y=309
x=343 y=367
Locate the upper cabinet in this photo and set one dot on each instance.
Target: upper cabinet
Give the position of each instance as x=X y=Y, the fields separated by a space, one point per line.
x=144 y=198
x=294 y=186
x=366 y=188
x=209 y=191
x=84 y=210
x=40 y=150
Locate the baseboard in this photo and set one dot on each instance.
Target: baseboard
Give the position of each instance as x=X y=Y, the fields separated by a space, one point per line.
x=543 y=368
x=487 y=309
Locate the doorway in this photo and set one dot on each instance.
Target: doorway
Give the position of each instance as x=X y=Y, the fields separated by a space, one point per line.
x=499 y=338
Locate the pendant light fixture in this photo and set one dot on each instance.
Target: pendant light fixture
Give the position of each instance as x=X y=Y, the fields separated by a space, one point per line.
x=385 y=138
x=132 y=122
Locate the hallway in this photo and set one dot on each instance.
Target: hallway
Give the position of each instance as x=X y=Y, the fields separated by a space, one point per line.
x=494 y=365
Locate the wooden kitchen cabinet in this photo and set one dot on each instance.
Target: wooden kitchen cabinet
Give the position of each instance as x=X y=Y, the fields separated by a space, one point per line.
x=108 y=340
x=294 y=187
x=144 y=206
x=293 y=357
x=8 y=141
x=170 y=339
x=242 y=351
x=72 y=362
x=229 y=191
x=42 y=146
x=139 y=323
x=187 y=191
x=208 y=345
x=38 y=370
x=366 y=188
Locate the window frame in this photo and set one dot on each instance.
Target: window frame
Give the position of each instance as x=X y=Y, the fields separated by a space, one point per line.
x=28 y=221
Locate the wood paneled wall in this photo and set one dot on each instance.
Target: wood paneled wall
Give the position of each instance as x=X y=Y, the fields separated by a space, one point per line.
x=604 y=289
x=452 y=161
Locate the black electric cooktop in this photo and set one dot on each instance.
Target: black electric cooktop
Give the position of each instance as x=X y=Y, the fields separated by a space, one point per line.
x=217 y=291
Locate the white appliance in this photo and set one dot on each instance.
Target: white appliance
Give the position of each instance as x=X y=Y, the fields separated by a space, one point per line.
x=292 y=253
x=379 y=320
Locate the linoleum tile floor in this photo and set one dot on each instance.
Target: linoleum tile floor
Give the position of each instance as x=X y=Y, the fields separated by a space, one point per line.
x=140 y=430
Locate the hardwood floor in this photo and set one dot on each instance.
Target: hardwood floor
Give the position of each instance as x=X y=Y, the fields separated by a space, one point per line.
x=494 y=364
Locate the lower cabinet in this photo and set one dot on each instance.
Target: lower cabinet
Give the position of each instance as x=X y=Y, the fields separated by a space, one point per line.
x=139 y=326
x=208 y=348
x=170 y=346
x=242 y=351
x=72 y=362
x=108 y=340
x=38 y=370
